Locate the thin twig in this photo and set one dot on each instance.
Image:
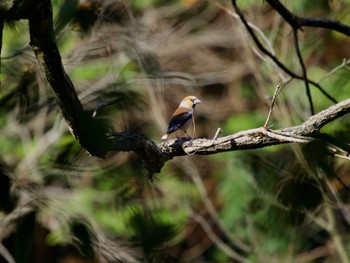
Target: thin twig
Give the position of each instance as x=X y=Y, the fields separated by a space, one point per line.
x=6 y=254
x=344 y=63
x=342 y=156
x=339 y=245
x=219 y=130
x=194 y=125
x=192 y=171
x=274 y=58
x=225 y=248
x=277 y=89
x=303 y=68
x=263 y=36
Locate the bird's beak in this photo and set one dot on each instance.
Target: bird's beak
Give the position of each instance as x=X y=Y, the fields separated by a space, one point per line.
x=196 y=101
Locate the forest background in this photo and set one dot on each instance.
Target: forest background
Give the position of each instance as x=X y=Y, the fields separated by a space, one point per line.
x=131 y=63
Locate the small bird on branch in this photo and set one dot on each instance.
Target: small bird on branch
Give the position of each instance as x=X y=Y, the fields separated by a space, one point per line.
x=183 y=116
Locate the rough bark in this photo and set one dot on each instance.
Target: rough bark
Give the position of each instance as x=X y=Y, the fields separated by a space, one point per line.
x=155 y=156
x=85 y=129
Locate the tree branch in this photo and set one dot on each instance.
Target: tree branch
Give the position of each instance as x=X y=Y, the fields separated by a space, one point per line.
x=155 y=156
x=1 y=31
x=297 y=22
x=304 y=70
x=89 y=133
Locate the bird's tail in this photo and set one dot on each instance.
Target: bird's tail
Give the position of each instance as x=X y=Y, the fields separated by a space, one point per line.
x=165 y=136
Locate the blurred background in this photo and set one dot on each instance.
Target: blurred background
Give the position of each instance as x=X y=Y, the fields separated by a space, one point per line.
x=290 y=202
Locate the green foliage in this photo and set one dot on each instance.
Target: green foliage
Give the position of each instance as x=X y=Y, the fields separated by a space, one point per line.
x=245 y=121
x=150 y=232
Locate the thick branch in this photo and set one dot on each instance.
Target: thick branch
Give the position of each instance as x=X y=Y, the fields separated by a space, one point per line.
x=1 y=30
x=85 y=129
x=325 y=23
x=297 y=22
x=155 y=156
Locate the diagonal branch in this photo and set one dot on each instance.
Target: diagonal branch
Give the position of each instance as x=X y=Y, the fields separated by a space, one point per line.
x=89 y=133
x=274 y=58
x=155 y=156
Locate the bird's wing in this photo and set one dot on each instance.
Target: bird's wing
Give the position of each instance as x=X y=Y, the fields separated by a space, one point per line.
x=179 y=118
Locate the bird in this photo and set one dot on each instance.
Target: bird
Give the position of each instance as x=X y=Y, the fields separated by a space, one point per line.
x=182 y=116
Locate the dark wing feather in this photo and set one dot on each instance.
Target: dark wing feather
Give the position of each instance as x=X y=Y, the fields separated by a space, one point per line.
x=178 y=120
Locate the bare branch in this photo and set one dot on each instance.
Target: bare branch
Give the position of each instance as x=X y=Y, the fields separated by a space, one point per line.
x=218 y=131
x=155 y=156
x=344 y=63
x=273 y=101
x=273 y=57
x=297 y=22
x=6 y=254
x=303 y=68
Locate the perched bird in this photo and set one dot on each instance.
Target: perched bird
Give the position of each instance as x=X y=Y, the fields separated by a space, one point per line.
x=182 y=116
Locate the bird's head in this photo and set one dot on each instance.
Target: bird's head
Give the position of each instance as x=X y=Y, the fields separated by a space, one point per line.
x=189 y=102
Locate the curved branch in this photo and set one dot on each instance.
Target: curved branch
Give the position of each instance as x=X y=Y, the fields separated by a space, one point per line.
x=89 y=133
x=153 y=156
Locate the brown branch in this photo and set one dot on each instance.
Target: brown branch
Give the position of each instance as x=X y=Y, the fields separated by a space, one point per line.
x=1 y=31
x=85 y=129
x=155 y=156
x=297 y=22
